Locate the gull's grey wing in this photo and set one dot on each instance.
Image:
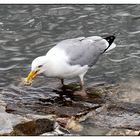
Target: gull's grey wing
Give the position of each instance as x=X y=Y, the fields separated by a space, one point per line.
x=83 y=51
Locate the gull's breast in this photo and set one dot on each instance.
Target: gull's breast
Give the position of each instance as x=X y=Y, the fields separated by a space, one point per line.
x=58 y=66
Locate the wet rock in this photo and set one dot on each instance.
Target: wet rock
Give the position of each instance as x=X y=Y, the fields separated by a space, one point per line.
x=109 y=117
x=91 y=130
x=73 y=125
x=129 y=92
x=13 y=124
x=58 y=131
x=35 y=116
x=33 y=128
x=7 y=121
x=68 y=108
x=123 y=132
x=99 y=113
x=70 y=123
x=111 y=114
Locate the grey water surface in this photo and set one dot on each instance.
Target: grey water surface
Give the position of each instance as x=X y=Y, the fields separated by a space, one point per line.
x=28 y=31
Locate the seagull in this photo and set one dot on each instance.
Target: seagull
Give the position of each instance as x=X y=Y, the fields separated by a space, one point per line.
x=71 y=58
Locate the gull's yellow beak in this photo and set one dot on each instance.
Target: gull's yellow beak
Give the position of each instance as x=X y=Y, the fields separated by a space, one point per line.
x=30 y=77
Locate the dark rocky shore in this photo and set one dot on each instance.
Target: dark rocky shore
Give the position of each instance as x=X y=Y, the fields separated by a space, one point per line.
x=107 y=110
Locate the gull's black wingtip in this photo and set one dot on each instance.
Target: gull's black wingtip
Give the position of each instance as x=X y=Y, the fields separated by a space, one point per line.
x=110 y=39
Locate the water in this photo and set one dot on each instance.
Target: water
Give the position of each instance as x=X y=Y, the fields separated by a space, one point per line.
x=28 y=31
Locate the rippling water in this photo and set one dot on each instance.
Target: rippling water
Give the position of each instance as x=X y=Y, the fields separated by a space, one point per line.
x=28 y=31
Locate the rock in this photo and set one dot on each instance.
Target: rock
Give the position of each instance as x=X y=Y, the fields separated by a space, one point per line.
x=35 y=116
x=58 y=131
x=73 y=125
x=116 y=118
x=33 y=128
x=103 y=112
x=7 y=121
x=122 y=132
x=92 y=130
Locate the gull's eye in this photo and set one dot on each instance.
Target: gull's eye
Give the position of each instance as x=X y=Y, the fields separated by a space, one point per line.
x=40 y=66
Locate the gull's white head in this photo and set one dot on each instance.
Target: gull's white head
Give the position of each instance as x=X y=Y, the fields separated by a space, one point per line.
x=38 y=66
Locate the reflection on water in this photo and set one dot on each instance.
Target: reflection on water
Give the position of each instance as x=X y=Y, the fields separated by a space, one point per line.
x=27 y=31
